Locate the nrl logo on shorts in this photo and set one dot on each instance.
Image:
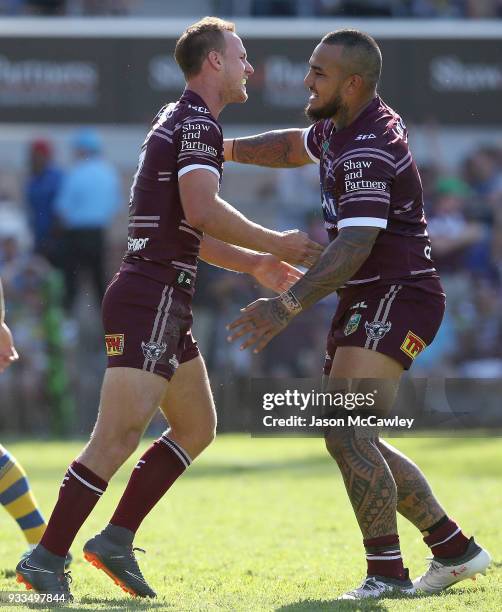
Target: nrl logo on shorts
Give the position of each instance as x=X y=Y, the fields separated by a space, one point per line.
x=153 y=350
x=352 y=324
x=376 y=330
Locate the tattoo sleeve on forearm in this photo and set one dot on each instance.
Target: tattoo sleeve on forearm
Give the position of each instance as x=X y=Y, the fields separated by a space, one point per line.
x=339 y=262
x=271 y=149
x=415 y=499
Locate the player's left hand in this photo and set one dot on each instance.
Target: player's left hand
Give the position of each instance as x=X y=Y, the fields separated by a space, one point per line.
x=274 y=274
x=262 y=320
x=8 y=353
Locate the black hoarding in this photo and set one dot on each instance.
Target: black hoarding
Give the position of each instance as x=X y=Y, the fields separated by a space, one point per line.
x=123 y=80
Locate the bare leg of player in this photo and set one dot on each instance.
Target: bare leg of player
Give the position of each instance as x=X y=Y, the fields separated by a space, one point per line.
x=455 y=557
x=368 y=479
x=188 y=405
x=129 y=399
x=369 y=467
x=415 y=499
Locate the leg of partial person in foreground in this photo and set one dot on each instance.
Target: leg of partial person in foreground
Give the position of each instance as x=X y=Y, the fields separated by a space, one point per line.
x=368 y=479
x=129 y=398
x=188 y=406
x=17 y=498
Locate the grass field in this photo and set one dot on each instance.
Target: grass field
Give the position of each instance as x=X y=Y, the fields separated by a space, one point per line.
x=264 y=524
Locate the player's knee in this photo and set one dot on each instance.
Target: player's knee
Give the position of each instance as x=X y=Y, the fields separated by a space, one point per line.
x=195 y=440
x=117 y=446
x=208 y=435
x=336 y=441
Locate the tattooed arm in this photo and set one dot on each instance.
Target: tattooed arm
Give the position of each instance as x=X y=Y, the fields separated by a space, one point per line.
x=276 y=149
x=265 y=318
x=339 y=262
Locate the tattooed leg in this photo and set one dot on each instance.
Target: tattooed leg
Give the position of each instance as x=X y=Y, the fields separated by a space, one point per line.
x=368 y=480
x=415 y=499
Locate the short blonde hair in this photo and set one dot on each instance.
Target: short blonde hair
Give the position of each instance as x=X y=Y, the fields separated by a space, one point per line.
x=198 y=40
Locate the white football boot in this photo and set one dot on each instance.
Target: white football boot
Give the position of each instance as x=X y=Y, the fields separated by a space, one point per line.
x=379 y=586
x=442 y=573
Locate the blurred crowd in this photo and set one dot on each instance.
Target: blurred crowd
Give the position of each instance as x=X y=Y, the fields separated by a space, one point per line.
x=49 y=245
x=56 y=258
x=473 y=9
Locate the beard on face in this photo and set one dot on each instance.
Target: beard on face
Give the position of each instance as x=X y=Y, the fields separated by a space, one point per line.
x=324 y=112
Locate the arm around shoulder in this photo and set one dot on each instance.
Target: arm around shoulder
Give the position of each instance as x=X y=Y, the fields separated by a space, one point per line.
x=275 y=149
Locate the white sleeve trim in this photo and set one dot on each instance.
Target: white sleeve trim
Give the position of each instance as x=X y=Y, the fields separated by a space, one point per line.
x=187 y=169
x=306 y=132
x=362 y=222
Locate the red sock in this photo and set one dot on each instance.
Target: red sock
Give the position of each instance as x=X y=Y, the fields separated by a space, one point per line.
x=79 y=493
x=447 y=541
x=384 y=557
x=153 y=475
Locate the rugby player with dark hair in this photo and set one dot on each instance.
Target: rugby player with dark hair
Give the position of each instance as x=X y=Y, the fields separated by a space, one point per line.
x=175 y=217
x=391 y=302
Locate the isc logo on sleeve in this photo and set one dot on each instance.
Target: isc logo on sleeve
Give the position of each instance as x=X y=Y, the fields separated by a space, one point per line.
x=114 y=344
x=412 y=345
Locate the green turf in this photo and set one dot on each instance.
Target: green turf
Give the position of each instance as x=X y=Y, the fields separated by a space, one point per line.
x=265 y=525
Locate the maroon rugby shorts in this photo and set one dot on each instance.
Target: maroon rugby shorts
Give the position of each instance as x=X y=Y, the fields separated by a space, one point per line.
x=397 y=320
x=147 y=325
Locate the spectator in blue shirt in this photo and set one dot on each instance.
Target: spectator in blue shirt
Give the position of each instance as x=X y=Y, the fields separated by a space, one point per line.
x=86 y=206
x=43 y=185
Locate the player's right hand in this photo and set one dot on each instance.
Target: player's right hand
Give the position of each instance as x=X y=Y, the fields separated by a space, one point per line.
x=295 y=247
x=8 y=353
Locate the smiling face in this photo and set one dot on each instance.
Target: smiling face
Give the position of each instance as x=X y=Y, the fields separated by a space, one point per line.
x=236 y=69
x=328 y=81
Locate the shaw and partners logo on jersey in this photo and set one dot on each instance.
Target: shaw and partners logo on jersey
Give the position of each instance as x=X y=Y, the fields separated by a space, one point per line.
x=136 y=244
x=114 y=344
x=192 y=131
x=196 y=145
x=413 y=345
x=354 y=170
x=357 y=185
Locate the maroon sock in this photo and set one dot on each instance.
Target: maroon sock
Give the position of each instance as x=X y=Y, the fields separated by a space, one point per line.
x=447 y=541
x=79 y=493
x=384 y=557
x=153 y=475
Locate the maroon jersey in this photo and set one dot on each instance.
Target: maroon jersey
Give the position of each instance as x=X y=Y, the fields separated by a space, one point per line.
x=184 y=137
x=368 y=178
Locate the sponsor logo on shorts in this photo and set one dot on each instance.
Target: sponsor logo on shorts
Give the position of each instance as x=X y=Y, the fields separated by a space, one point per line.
x=174 y=361
x=114 y=344
x=376 y=330
x=153 y=351
x=412 y=345
x=136 y=244
x=352 y=324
